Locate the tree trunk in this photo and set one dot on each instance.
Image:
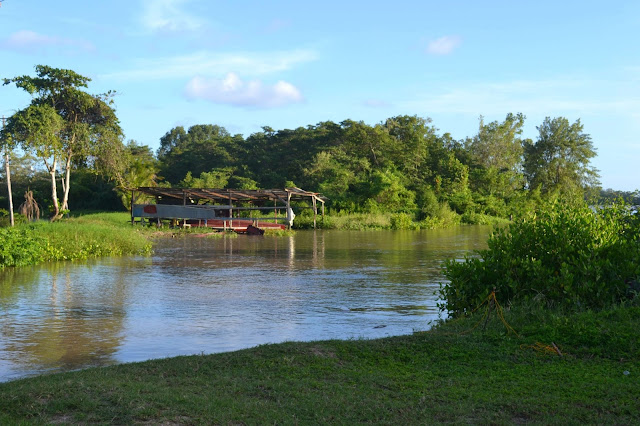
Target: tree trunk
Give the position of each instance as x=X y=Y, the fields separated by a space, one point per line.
x=8 y=171
x=54 y=192
x=65 y=185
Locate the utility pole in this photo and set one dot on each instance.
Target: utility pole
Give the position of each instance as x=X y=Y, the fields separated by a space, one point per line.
x=6 y=168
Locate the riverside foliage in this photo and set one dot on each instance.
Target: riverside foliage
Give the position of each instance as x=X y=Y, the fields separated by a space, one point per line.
x=403 y=165
x=565 y=255
x=96 y=235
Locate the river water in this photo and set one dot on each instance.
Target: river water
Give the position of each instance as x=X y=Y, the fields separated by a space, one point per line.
x=205 y=295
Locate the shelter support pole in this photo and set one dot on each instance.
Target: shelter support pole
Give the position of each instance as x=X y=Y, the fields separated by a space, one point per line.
x=230 y=211
x=288 y=207
x=315 y=212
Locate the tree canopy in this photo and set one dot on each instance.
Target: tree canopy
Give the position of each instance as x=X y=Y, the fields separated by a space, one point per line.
x=65 y=124
x=401 y=164
x=558 y=161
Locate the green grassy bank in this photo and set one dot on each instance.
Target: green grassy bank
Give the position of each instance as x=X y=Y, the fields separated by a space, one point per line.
x=392 y=221
x=79 y=238
x=454 y=373
x=110 y=234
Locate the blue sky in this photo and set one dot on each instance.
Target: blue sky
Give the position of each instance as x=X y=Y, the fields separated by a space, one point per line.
x=284 y=64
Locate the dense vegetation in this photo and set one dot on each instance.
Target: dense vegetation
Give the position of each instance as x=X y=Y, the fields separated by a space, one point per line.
x=401 y=165
x=561 y=255
x=94 y=235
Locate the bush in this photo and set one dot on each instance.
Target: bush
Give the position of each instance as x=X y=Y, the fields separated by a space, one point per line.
x=473 y=218
x=565 y=255
x=402 y=221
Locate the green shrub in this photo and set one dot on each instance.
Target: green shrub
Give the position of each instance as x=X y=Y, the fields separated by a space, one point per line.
x=473 y=218
x=565 y=255
x=402 y=221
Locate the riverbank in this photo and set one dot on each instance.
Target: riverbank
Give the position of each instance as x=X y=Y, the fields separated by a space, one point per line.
x=393 y=221
x=110 y=234
x=78 y=238
x=454 y=373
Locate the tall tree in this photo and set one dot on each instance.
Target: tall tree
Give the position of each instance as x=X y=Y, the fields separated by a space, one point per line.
x=7 y=144
x=200 y=149
x=414 y=140
x=37 y=128
x=90 y=125
x=559 y=159
x=496 y=153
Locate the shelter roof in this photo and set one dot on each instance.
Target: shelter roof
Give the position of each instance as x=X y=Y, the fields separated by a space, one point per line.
x=225 y=195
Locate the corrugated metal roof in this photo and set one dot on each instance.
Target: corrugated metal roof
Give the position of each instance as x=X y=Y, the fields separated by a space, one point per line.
x=216 y=194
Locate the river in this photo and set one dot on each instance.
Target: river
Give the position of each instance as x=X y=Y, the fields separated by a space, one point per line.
x=205 y=295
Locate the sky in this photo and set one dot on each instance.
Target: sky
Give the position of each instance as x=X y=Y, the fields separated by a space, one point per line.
x=285 y=64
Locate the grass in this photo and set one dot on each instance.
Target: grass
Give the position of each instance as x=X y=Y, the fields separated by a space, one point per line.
x=446 y=375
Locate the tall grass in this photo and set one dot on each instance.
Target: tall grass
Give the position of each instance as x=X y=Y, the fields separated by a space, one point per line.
x=94 y=235
x=377 y=220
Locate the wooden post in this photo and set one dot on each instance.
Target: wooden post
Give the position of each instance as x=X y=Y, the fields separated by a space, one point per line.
x=315 y=211
x=323 y=212
x=230 y=210
x=288 y=207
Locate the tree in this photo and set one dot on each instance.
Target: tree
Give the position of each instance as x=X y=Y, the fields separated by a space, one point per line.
x=414 y=141
x=140 y=169
x=37 y=128
x=90 y=127
x=7 y=143
x=198 y=150
x=496 y=152
x=559 y=159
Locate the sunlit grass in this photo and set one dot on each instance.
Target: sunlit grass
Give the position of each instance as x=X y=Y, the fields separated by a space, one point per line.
x=93 y=235
x=449 y=375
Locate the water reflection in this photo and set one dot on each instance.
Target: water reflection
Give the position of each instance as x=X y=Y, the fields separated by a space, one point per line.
x=210 y=295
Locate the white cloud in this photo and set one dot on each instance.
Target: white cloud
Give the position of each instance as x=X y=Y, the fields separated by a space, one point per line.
x=215 y=65
x=233 y=90
x=169 y=16
x=443 y=45
x=29 y=41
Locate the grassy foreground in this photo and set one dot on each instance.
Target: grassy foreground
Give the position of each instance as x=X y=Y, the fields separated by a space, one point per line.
x=447 y=375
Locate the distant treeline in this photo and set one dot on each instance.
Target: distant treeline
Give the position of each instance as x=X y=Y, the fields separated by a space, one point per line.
x=401 y=165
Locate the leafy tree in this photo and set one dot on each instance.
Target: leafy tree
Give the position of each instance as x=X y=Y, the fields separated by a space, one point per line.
x=198 y=150
x=272 y=158
x=37 y=128
x=559 y=159
x=496 y=153
x=7 y=144
x=414 y=144
x=216 y=178
x=90 y=130
x=141 y=169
